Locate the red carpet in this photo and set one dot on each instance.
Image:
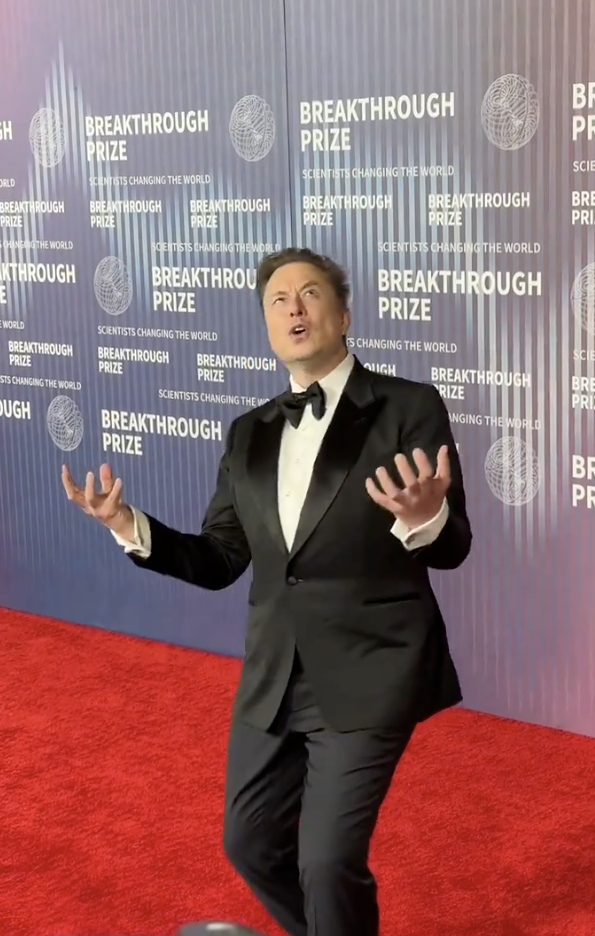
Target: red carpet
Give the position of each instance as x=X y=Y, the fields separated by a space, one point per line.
x=111 y=787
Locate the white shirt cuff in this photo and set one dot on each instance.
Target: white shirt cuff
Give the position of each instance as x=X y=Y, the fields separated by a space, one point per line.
x=423 y=535
x=141 y=544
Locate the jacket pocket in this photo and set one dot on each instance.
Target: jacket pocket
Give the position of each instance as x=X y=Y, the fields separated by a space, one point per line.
x=391 y=599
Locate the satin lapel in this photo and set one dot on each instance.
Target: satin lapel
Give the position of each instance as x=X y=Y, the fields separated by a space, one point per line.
x=340 y=449
x=262 y=463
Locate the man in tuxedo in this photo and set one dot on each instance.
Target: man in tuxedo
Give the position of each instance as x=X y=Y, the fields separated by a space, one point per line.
x=346 y=650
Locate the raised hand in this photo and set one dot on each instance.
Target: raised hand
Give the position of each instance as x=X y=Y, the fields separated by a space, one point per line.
x=105 y=505
x=422 y=495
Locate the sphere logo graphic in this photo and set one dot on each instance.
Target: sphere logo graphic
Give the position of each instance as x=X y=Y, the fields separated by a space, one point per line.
x=512 y=471
x=113 y=286
x=65 y=423
x=510 y=112
x=46 y=138
x=252 y=128
x=582 y=298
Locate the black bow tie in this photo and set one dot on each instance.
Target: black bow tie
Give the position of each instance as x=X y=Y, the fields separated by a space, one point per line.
x=292 y=405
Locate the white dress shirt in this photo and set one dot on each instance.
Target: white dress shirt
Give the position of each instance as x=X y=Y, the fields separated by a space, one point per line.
x=297 y=454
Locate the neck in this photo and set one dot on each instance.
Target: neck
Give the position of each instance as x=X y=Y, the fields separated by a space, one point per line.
x=308 y=372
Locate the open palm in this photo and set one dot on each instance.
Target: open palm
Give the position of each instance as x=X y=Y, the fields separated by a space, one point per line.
x=422 y=494
x=104 y=505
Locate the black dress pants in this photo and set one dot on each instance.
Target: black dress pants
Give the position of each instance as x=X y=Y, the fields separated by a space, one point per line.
x=301 y=805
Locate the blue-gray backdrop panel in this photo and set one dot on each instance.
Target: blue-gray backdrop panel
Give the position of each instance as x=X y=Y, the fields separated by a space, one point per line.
x=444 y=151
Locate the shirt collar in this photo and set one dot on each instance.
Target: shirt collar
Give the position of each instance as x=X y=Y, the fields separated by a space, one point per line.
x=334 y=383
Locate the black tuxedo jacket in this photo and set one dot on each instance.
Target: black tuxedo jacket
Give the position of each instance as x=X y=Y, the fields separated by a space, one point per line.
x=355 y=603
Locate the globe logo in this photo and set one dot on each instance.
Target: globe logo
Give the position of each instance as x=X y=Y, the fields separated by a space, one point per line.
x=582 y=298
x=113 y=286
x=252 y=128
x=46 y=138
x=65 y=423
x=512 y=471
x=510 y=112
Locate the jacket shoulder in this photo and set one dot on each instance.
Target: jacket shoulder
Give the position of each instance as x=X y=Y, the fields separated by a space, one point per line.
x=241 y=426
x=416 y=391
x=258 y=412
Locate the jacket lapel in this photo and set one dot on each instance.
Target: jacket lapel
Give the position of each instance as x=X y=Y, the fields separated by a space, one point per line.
x=340 y=450
x=263 y=463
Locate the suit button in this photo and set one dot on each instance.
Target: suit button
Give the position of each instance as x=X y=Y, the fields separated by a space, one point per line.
x=291 y=580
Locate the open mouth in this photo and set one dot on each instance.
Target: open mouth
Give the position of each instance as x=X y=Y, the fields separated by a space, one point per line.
x=298 y=331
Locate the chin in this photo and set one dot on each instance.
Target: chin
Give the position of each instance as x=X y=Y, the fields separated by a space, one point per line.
x=301 y=355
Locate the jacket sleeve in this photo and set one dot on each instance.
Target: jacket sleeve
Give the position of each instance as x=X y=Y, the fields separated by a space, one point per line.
x=428 y=428
x=217 y=556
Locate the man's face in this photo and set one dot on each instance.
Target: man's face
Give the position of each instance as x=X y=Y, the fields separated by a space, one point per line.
x=305 y=320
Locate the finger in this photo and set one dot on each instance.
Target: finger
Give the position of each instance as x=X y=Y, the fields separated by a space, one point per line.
x=408 y=476
x=66 y=479
x=106 y=478
x=113 y=499
x=393 y=504
x=90 y=488
x=386 y=482
x=424 y=466
x=443 y=465
x=68 y=484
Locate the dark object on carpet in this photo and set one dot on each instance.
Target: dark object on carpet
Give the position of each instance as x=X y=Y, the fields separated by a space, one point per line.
x=216 y=929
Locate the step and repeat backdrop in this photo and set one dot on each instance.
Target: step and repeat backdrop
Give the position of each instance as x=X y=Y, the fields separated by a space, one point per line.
x=442 y=150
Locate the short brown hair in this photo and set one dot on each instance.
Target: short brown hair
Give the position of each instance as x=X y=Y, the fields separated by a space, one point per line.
x=335 y=275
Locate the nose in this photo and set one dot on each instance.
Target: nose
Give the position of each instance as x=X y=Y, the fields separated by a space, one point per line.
x=297 y=306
